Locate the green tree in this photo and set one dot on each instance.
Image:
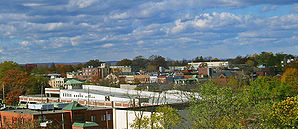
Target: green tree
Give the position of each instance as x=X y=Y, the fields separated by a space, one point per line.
x=165 y=117
x=8 y=65
x=158 y=61
x=139 y=63
x=250 y=63
x=39 y=70
x=140 y=122
x=218 y=107
x=36 y=83
x=124 y=62
x=94 y=63
x=52 y=68
x=263 y=88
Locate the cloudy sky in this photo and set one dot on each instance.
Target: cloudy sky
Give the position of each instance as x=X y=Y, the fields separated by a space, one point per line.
x=79 y=30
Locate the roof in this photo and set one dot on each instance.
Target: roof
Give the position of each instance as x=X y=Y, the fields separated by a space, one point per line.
x=85 y=124
x=226 y=73
x=74 y=106
x=31 y=112
x=73 y=81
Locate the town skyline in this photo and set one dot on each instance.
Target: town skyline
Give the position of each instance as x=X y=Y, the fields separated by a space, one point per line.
x=76 y=30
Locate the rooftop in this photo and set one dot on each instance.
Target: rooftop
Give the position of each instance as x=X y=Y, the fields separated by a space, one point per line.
x=73 y=81
x=74 y=106
x=85 y=124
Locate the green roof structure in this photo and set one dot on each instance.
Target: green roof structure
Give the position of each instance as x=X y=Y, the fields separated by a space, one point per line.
x=73 y=81
x=85 y=124
x=74 y=106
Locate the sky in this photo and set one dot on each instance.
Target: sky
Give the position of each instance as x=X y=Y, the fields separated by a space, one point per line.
x=37 y=31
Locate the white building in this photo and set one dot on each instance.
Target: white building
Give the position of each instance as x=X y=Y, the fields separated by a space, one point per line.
x=56 y=82
x=209 y=64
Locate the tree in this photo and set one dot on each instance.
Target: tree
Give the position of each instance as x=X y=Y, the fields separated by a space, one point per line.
x=124 y=62
x=40 y=70
x=36 y=83
x=151 y=68
x=12 y=97
x=158 y=61
x=250 y=63
x=8 y=65
x=94 y=63
x=285 y=114
x=139 y=63
x=15 y=82
x=140 y=122
x=165 y=117
x=52 y=68
x=218 y=107
x=290 y=77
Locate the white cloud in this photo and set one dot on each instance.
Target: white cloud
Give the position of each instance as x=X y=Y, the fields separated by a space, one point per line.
x=74 y=40
x=54 y=26
x=140 y=42
x=108 y=45
x=120 y=16
x=81 y=3
x=24 y=43
x=268 y=8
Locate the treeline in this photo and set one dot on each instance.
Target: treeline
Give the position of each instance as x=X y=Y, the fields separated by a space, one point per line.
x=152 y=63
x=63 y=68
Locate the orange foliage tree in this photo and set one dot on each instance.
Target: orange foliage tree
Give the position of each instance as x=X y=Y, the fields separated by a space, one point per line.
x=15 y=82
x=290 y=76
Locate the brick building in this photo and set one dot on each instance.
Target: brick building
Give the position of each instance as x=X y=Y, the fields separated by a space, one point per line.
x=72 y=116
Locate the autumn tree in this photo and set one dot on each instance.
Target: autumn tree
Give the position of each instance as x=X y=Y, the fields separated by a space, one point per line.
x=290 y=76
x=8 y=65
x=284 y=114
x=15 y=82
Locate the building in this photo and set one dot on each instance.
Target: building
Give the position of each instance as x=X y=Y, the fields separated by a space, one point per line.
x=129 y=79
x=222 y=77
x=162 y=79
x=120 y=69
x=104 y=96
x=196 y=65
x=91 y=73
x=153 y=79
x=142 y=78
x=57 y=82
x=73 y=84
x=72 y=116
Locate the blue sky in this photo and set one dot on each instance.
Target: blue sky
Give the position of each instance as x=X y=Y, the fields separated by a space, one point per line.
x=34 y=31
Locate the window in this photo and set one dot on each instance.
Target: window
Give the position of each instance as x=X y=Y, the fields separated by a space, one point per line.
x=93 y=118
x=103 y=117
x=109 y=116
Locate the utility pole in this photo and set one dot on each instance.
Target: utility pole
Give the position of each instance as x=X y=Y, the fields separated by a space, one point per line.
x=88 y=97
x=3 y=99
